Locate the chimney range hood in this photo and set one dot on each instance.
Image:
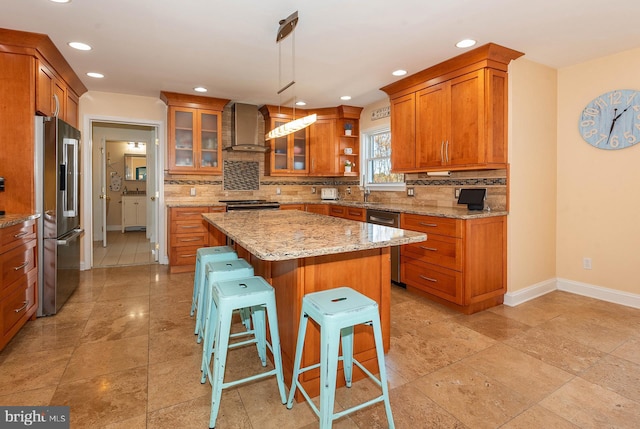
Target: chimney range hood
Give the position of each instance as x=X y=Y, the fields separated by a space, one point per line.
x=244 y=129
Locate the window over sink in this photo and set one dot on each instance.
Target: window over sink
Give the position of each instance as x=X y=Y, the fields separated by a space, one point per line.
x=377 y=147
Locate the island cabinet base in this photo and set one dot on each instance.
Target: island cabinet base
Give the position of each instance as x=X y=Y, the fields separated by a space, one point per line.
x=366 y=271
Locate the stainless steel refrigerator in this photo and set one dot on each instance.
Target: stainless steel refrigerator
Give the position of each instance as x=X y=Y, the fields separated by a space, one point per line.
x=58 y=202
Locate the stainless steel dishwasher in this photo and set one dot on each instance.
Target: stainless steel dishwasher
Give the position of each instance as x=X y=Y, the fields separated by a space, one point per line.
x=380 y=217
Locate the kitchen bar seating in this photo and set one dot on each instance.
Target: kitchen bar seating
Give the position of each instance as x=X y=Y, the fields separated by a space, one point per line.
x=205 y=255
x=337 y=311
x=227 y=296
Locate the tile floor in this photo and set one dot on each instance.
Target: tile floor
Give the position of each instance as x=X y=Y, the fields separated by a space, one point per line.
x=128 y=248
x=122 y=354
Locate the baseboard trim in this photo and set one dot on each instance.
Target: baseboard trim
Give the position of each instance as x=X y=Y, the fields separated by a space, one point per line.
x=531 y=292
x=598 y=292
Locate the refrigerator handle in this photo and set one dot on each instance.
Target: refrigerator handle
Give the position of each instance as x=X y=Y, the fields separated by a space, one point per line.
x=73 y=186
x=63 y=177
x=69 y=238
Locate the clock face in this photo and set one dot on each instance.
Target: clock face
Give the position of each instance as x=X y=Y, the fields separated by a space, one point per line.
x=612 y=120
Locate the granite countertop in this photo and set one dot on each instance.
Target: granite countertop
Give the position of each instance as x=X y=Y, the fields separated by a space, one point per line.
x=8 y=220
x=278 y=235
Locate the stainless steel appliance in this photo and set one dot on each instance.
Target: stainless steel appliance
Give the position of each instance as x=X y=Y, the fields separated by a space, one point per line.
x=329 y=193
x=380 y=217
x=250 y=205
x=58 y=202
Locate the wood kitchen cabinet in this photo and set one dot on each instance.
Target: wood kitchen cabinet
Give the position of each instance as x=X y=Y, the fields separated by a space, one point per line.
x=134 y=211
x=189 y=231
x=289 y=155
x=19 y=277
x=322 y=209
x=347 y=212
x=454 y=115
x=22 y=58
x=462 y=264
x=195 y=133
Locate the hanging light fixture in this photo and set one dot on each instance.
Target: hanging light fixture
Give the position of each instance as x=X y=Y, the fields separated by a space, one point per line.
x=286 y=27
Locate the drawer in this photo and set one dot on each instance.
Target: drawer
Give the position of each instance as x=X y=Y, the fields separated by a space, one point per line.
x=16 y=263
x=431 y=224
x=16 y=235
x=355 y=213
x=184 y=255
x=337 y=211
x=438 y=250
x=189 y=226
x=199 y=239
x=217 y=209
x=438 y=281
x=19 y=304
x=187 y=213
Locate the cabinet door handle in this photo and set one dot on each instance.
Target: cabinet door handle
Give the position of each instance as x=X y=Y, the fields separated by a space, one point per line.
x=381 y=220
x=191 y=214
x=446 y=150
x=57 y=108
x=429 y=279
x=24 y=306
x=432 y=225
x=189 y=226
x=433 y=249
x=186 y=240
x=442 y=151
x=188 y=256
x=21 y=266
x=20 y=234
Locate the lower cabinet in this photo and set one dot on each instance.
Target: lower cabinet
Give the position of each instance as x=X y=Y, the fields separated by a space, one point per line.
x=462 y=264
x=189 y=231
x=292 y=207
x=19 y=277
x=322 y=209
x=134 y=211
x=346 y=212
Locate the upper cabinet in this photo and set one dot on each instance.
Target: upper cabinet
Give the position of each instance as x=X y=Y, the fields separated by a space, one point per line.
x=54 y=97
x=195 y=133
x=453 y=115
x=289 y=155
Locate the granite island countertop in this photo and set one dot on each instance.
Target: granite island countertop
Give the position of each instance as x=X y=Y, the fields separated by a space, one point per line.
x=277 y=235
x=8 y=220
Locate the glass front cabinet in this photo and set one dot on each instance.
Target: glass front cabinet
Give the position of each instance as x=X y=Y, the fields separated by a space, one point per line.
x=289 y=154
x=195 y=133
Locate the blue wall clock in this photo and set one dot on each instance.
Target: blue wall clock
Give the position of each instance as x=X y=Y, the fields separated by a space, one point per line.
x=612 y=120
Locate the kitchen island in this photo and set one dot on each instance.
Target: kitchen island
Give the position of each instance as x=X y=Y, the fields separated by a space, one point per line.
x=298 y=253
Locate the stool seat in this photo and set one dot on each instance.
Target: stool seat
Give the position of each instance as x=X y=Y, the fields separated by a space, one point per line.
x=337 y=311
x=258 y=295
x=205 y=255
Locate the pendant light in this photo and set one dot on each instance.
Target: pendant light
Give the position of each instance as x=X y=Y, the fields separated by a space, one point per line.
x=286 y=28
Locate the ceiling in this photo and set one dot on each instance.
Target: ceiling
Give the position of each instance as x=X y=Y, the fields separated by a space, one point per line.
x=341 y=47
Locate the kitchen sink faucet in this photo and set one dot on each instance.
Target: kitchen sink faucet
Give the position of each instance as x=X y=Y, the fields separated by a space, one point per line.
x=367 y=192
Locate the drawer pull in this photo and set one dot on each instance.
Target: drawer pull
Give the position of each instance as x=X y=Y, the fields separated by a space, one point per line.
x=189 y=226
x=433 y=249
x=21 y=266
x=432 y=225
x=21 y=234
x=184 y=240
x=24 y=306
x=188 y=256
x=429 y=279
x=191 y=214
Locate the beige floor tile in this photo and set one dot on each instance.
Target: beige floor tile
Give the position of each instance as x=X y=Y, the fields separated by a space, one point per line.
x=492 y=325
x=173 y=344
x=538 y=417
x=175 y=381
x=104 y=399
x=588 y=405
x=104 y=357
x=38 y=336
x=629 y=350
x=564 y=353
x=529 y=376
x=35 y=397
x=195 y=414
x=119 y=291
x=36 y=370
x=71 y=312
x=616 y=374
x=137 y=422
x=475 y=399
x=415 y=316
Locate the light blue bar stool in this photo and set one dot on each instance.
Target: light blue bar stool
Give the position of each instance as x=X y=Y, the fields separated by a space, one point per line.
x=205 y=255
x=337 y=311
x=257 y=294
x=222 y=271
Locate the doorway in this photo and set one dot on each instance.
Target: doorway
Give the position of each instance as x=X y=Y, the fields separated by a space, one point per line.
x=124 y=194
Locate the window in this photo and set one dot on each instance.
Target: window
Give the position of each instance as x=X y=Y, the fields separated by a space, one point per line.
x=377 y=159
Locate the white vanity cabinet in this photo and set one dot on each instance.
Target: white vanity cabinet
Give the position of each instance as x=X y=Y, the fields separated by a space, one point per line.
x=134 y=211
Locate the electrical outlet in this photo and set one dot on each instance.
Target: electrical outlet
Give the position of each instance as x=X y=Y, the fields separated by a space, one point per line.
x=586 y=263
x=457 y=193
x=193 y=192
x=410 y=192
x=348 y=190
x=277 y=191
x=313 y=189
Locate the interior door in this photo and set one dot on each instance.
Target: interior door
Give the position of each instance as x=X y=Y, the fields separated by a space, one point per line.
x=153 y=194
x=103 y=190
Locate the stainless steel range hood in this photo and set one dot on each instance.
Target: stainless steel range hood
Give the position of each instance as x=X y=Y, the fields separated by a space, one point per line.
x=244 y=129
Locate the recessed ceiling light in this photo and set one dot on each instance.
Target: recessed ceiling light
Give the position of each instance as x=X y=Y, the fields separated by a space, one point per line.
x=96 y=75
x=399 y=72
x=300 y=103
x=200 y=89
x=80 y=46
x=345 y=97
x=61 y=1
x=466 y=43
